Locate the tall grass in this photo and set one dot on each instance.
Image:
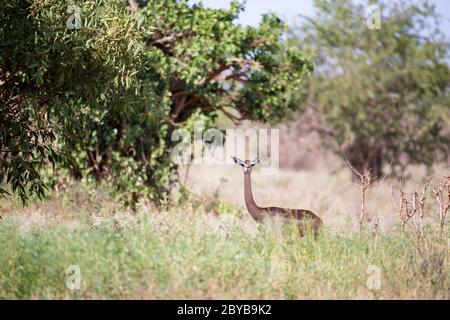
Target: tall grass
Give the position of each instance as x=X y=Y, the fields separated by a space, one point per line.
x=185 y=252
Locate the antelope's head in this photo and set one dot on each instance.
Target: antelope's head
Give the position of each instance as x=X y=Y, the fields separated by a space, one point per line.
x=247 y=164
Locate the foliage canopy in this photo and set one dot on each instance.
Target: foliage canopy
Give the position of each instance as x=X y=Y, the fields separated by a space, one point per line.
x=382 y=94
x=102 y=100
x=53 y=79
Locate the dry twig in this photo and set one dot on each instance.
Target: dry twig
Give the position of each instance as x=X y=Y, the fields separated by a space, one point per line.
x=442 y=193
x=365 y=180
x=413 y=206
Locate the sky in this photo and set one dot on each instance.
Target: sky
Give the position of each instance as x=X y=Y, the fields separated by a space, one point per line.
x=289 y=9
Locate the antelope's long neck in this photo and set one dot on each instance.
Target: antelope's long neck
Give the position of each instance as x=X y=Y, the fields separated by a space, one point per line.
x=252 y=207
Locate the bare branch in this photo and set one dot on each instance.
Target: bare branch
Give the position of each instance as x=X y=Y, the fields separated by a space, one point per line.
x=413 y=207
x=365 y=181
x=442 y=194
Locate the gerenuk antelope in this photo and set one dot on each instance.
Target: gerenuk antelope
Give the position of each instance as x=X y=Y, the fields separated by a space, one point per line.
x=304 y=218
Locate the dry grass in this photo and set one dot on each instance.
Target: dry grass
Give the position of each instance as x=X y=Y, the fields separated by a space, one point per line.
x=208 y=247
x=189 y=253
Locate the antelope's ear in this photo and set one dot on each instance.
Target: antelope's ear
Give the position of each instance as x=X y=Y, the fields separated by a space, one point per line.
x=256 y=161
x=238 y=161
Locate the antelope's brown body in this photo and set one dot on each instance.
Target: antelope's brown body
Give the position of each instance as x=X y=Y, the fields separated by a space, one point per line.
x=304 y=218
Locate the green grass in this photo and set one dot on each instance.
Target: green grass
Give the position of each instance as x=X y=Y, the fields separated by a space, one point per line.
x=186 y=253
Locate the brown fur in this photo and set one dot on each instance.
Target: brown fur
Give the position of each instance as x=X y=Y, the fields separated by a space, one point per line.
x=287 y=215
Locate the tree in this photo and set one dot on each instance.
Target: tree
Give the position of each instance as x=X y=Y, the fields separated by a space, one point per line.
x=382 y=95
x=202 y=63
x=61 y=65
